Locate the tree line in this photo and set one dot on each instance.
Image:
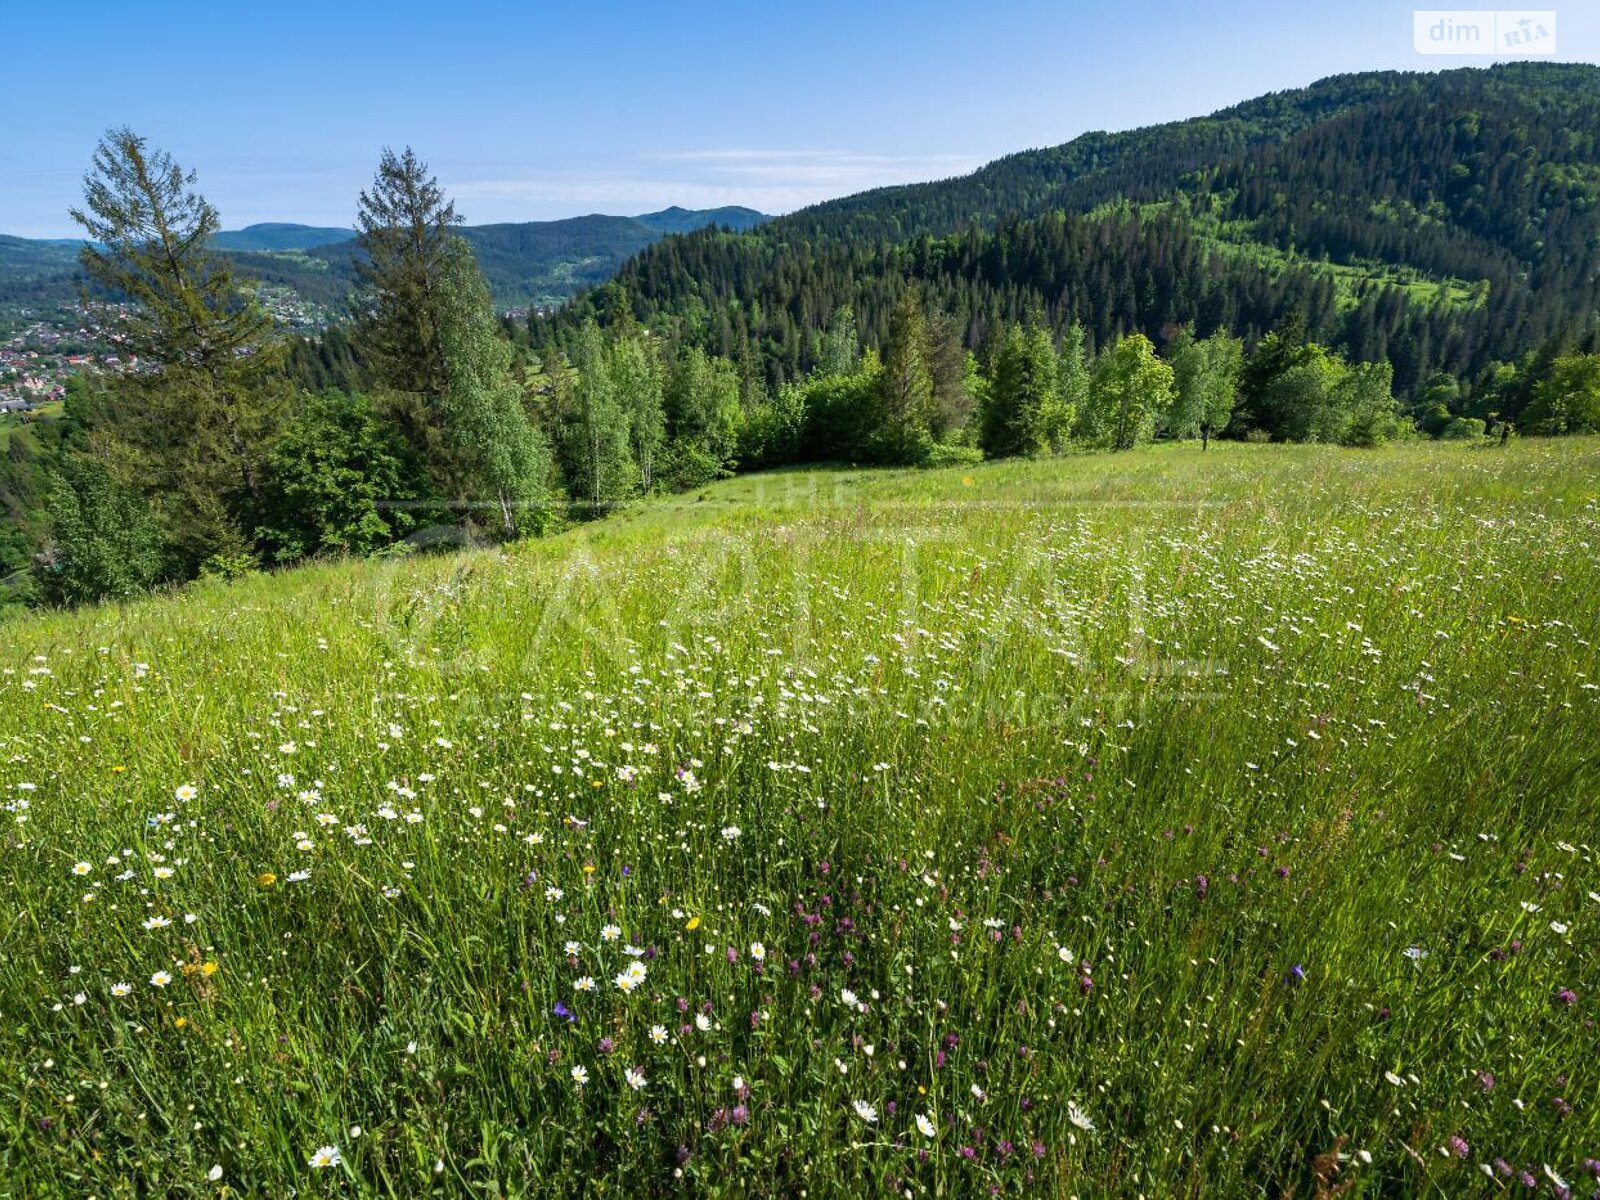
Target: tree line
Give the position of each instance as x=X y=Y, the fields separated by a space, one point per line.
x=237 y=447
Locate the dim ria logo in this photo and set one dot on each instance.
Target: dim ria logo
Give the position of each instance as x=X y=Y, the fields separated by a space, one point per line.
x=1483 y=31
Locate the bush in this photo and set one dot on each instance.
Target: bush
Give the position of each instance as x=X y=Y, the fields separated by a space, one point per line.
x=340 y=481
x=105 y=543
x=228 y=566
x=943 y=454
x=1463 y=429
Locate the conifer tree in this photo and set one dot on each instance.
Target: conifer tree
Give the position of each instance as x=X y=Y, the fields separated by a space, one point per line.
x=907 y=384
x=1023 y=393
x=406 y=228
x=192 y=428
x=840 y=352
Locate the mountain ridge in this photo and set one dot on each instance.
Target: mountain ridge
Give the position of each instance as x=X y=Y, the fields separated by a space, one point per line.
x=525 y=262
x=1447 y=220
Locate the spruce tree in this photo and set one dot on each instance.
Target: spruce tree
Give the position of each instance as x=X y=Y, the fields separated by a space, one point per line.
x=191 y=429
x=907 y=385
x=407 y=226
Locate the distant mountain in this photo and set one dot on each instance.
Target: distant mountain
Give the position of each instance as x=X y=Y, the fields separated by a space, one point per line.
x=279 y=236
x=37 y=272
x=27 y=259
x=687 y=220
x=525 y=263
x=544 y=262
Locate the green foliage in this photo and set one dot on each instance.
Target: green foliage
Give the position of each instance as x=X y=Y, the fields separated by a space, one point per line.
x=1129 y=389
x=636 y=378
x=845 y=418
x=230 y=566
x=840 y=353
x=340 y=482
x=596 y=428
x=905 y=434
x=1205 y=377
x=1567 y=398
x=1303 y=392
x=499 y=460
x=1024 y=405
x=407 y=230
x=774 y=430
x=1463 y=429
x=193 y=433
x=1365 y=404
x=701 y=407
x=104 y=542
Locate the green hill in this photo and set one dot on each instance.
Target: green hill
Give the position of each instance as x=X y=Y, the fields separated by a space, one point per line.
x=1441 y=220
x=279 y=236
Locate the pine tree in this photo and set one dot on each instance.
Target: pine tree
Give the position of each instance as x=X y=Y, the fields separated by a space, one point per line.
x=1024 y=393
x=407 y=226
x=840 y=351
x=193 y=433
x=907 y=385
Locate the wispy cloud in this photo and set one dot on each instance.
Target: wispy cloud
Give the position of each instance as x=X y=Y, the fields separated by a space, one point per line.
x=773 y=180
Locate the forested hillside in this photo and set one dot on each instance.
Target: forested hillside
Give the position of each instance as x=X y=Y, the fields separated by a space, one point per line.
x=1445 y=222
x=529 y=262
x=1370 y=259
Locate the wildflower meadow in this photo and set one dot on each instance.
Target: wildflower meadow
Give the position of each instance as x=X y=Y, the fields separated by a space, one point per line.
x=1163 y=823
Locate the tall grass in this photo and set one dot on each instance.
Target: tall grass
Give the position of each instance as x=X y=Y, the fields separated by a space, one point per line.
x=1167 y=823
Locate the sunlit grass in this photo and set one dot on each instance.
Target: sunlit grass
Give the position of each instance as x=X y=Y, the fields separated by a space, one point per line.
x=1143 y=824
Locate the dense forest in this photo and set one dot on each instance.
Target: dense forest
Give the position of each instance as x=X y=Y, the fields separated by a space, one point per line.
x=1374 y=257
x=1444 y=222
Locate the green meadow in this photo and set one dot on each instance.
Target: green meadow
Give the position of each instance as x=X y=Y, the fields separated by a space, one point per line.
x=1163 y=823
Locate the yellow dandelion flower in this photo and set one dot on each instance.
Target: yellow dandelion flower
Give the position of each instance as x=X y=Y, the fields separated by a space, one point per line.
x=694 y=923
x=266 y=879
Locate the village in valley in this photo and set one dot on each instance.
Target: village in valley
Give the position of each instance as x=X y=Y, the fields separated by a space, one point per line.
x=40 y=349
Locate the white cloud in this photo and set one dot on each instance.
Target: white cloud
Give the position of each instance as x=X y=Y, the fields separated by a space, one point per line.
x=773 y=181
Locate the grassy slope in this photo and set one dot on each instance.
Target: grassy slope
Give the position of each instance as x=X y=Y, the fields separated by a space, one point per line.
x=1353 y=692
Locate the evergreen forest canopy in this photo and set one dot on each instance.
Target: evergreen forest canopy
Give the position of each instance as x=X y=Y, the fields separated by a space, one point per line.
x=1446 y=222
x=1374 y=257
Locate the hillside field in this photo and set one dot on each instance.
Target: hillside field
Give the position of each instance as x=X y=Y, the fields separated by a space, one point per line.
x=1166 y=823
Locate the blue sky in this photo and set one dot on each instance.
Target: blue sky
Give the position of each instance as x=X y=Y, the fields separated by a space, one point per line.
x=532 y=111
